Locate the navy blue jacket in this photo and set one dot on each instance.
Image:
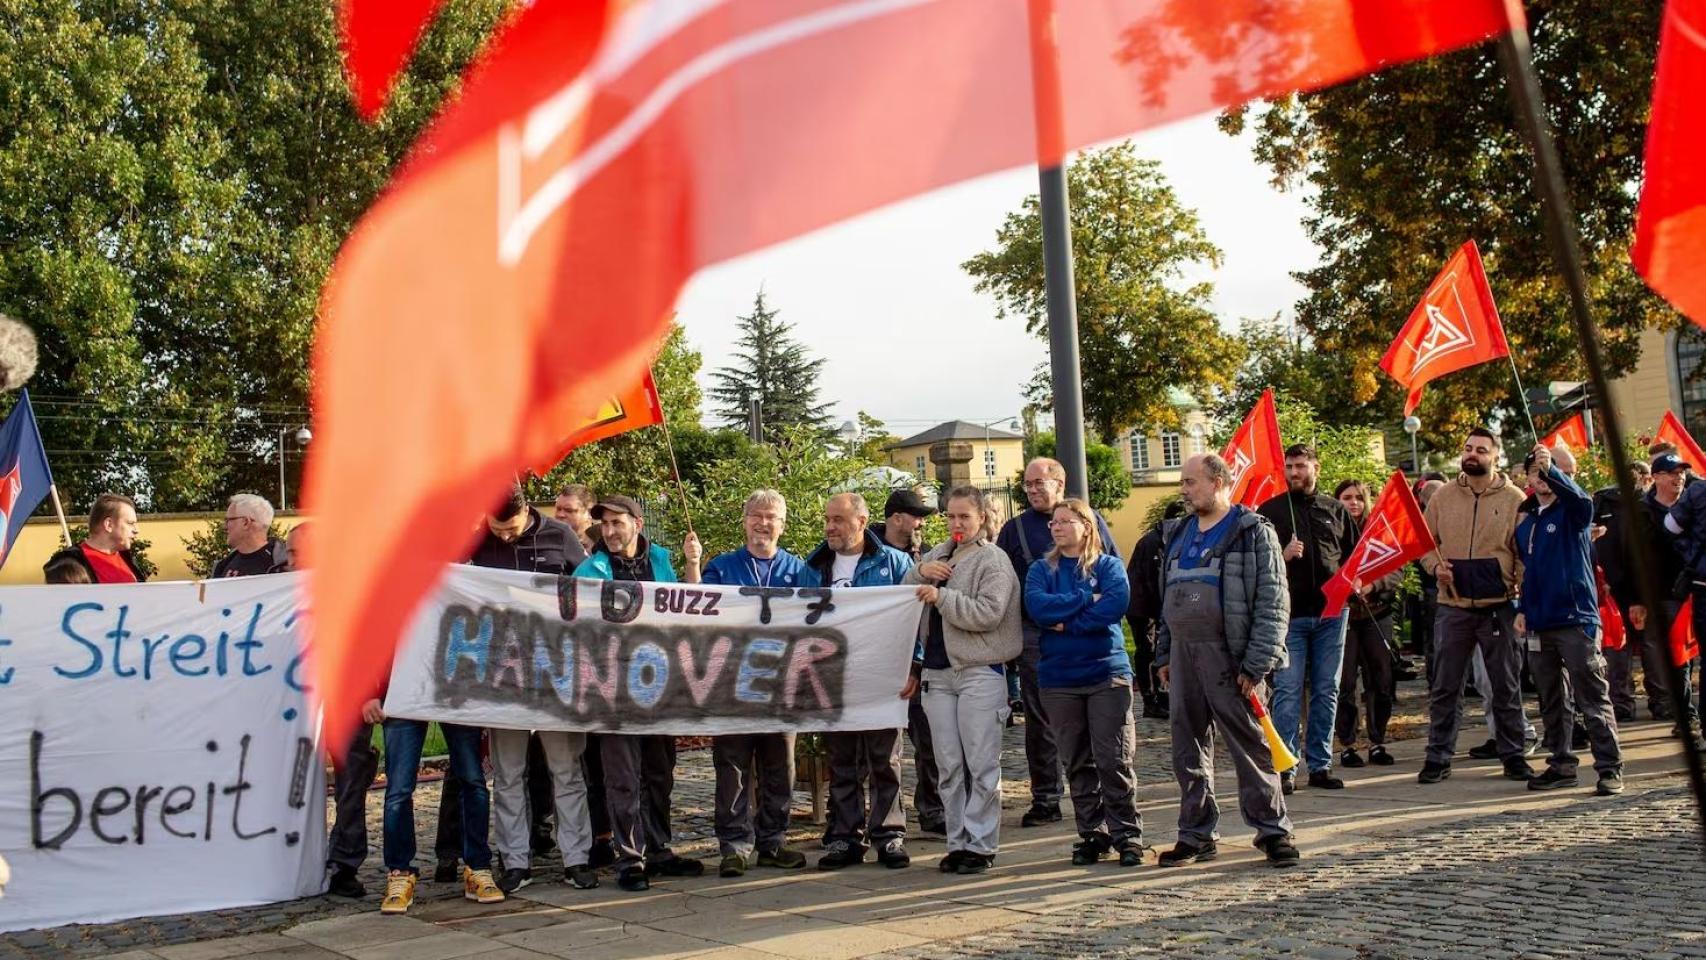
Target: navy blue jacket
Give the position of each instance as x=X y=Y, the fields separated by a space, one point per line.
x=1556 y=547
x=1091 y=650
x=737 y=568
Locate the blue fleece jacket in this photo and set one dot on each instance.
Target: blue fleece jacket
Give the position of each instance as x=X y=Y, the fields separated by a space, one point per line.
x=1091 y=648
x=1556 y=547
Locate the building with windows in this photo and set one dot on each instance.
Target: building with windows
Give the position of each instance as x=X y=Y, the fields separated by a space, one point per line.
x=1154 y=455
x=997 y=455
x=1669 y=376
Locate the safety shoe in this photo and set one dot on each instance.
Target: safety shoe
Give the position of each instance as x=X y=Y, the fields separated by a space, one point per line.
x=1486 y=751
x=1089 y=850
x=1516 y=768
x=974 y=863
x=345 y=884
x=733 y=865
x=951 y=862
x=1039 y=814
x=478 y=886
x=399 y=892
x=1185 y=852
x=675 y=867
x=633 y=879
x=1579 y=737
x=581 y=876
x=1433 y=772
x=1378 y=756
x=1131 y=853
x=514 y=879
x=841 y=854
x=782 y=858
x=1350 y=758
x=1552 y=779
x=1610 y=784
x=1324 y=780
x=1281 y=851
x=892 y=854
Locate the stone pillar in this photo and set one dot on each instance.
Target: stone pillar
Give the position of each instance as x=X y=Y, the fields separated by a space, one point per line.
x=952 y=459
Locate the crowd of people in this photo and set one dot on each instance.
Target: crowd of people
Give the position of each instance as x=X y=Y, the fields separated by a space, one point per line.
x=1225 y=605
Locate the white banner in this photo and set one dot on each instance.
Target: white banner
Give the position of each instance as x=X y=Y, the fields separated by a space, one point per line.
x=498 y=648
x=155 y=756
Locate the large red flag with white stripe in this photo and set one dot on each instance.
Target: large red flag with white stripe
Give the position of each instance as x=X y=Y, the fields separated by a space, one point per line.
x=1393 y=534
x=529 y=251
x=1456 y=325
x=1256 y=455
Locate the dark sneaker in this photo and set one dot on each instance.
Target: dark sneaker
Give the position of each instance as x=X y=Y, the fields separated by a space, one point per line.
x=951 y=862
x=446 y=872
x=841 y=854
x=1089 y=850
x=1516 y=768
x=781 y=858
x=1350 y=758
x=733 y=865
x=675 y=867
x=1281 y=852
x=892 y=854
x=972 y=863
x=345 y=884
x=581 y=876
x=1378 y=756
x=1040 y=814
x=603 y=853
x=512 y=880
x=1579 y=738
x=1288 y=783
x=1486 y=751
x=633 y=879
x=1324 y=780
x=1131 y=854
x=1184 y=852
x=937 y=827
x=1610 y=784
x=1433 y=772
x=1552 y=779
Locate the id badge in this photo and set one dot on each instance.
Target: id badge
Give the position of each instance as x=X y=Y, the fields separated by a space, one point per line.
x=1534 y=643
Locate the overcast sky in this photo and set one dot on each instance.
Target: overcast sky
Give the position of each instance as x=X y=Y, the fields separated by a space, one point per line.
x=883 y=297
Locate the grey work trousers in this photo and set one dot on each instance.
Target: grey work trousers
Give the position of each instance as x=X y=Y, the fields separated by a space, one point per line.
x=1042 y=753
x=1204 y=697
x=1457 y=633
x=856 y=757
x=639 y=776
x=352 y=778
x=512 y=798
x=926 y=791
x=736 y=759
x=1097 y=737
x=968 y=710
x=1568 y=664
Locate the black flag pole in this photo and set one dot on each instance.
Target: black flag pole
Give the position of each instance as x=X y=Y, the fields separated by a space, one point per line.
x=1527 y=103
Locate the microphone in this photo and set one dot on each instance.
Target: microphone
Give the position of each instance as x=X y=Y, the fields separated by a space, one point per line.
x=17 y=354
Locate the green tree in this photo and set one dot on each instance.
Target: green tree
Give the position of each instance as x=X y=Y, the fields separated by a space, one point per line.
x=874 y=438
x=1141 y=328
x=1277 y=356
x=1109 y=483
x=175 y=179
x=772 y=367
x=1404 y=165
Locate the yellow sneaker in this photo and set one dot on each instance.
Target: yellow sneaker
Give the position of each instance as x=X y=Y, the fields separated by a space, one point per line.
x=478 y=885
x=399 y=892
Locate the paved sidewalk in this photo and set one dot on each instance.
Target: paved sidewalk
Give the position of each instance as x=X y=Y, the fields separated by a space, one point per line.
x=1474 y=867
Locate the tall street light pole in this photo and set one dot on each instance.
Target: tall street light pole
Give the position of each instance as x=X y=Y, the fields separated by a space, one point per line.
x=303 y=435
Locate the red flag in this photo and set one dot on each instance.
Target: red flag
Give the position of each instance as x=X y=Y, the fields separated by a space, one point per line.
x=1672 y=431
x=1572 y=433
x=1684 y=646
x=630 y=410
x=1393 y=534
x=1256 y=456
x=1455 y=326
x=1614 y=633
x=1670 y=226
x=530 y=249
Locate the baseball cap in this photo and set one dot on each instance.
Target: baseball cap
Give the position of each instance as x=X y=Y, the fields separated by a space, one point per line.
x=618 y=504
x=1669 y=463
x=907 y=501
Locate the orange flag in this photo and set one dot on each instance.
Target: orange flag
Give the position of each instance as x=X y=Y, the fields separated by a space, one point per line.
x=1455 y=326
x=529 y=251
x=1672 y=431
x=1256 y=456
x=1572 y=433
x=1670 y=226
x=1684 y=646
x=630 y=410
x=1393 y=535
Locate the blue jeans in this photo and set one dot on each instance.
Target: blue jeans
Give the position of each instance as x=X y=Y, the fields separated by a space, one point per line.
x=1315 y=651
x=403 y=742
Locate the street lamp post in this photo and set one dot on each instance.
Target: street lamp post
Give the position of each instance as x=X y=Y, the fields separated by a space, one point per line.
x=1413 y=426
x=303 y=435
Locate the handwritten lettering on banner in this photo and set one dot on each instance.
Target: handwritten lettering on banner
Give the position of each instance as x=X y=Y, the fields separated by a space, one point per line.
x=507 y=649
x=155 y=756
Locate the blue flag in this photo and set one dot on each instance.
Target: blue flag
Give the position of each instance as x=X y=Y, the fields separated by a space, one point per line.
x=24 y=474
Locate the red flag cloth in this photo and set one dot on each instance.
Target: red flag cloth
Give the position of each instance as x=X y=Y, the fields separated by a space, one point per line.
x=1572 y=433
x=1613 y=633
x=1393 y=535
x=1456 y=325
x=1684 y=646
x=631 y=409
x=1256 y=456
x=379 y=35
x=529 y=251
x=1672 y=431
x=1670 y=224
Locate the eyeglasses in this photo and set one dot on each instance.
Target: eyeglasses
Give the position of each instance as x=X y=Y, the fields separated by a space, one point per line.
x=1074 y=521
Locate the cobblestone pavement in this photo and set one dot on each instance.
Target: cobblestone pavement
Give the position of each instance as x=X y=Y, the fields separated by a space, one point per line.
x=1477 y=867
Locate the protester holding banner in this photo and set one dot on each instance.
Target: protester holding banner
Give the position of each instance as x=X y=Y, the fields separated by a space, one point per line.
x=1560 y=605
x=757 y=765
x=639 y=770
x=1368 y=650
x=1474 y=519
x=573 y=506
x=1224 y=614
x=1026 y=538
x=105 y=552
x=1318 y=535
x=903 y=529
x=852 y=556
x=971 y=630
x=1078 y=595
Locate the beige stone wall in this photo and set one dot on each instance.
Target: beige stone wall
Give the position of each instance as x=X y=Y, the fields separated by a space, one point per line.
x=1642 y=397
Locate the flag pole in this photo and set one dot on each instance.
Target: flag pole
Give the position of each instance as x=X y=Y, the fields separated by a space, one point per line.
x=1522 y=397
x=675 y=471
x=59 y=508
x=1527 y=103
